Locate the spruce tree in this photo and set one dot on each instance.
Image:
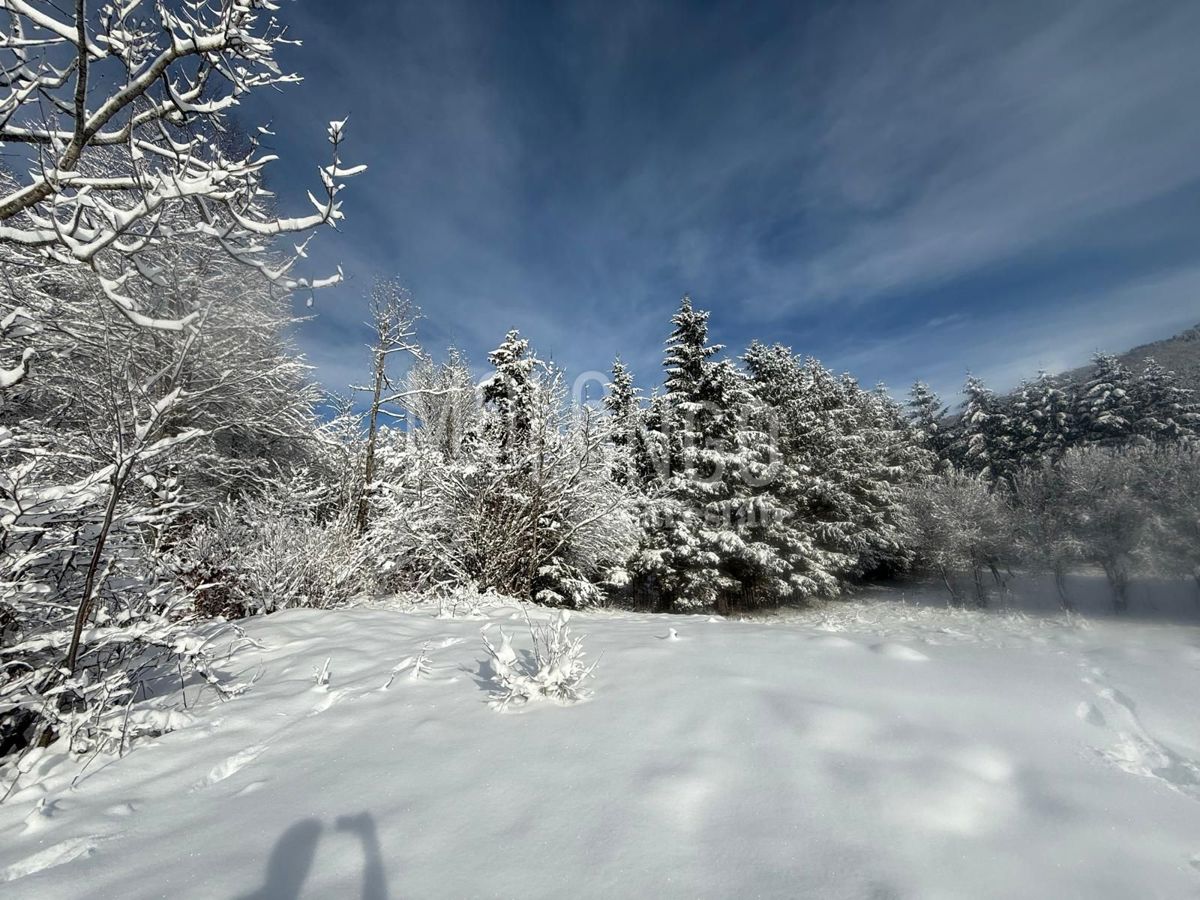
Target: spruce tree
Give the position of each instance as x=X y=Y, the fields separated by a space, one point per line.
x=1041 y=425
x=846 y=456
x=1163 y=412
x=984 y=441
x=1105 y=411
x=707 y=529
x=927 y=415
x=622 y=402
x=511 y=392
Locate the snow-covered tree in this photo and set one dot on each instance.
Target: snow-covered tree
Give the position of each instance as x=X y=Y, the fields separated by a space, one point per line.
x=927 y=414
x=1173 y=523
x=712 y=527
x=1105 y=409
x=511 y=391
x=144 y=295
x=961 y=527
x=1163 y=411
x=393 y=320
x=1046 y=526
x=983 y=439
x=623 y=403
x=441 y=403
x=1040 y=424
x=1106 y=491
x=847 y=455
x=525 y=506
x=120 y=115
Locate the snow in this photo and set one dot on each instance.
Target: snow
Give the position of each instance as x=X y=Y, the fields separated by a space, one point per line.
x=882 y=748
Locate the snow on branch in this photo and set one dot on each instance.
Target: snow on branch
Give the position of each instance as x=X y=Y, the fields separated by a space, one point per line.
x=555 y=670
x=118 y=114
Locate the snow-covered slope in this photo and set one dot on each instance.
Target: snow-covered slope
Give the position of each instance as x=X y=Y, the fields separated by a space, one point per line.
x=870 y=750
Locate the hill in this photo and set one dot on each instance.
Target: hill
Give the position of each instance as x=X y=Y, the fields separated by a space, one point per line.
x=1180 y=354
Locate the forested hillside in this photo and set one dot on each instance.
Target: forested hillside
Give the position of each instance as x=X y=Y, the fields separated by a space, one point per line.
x=1180 y=354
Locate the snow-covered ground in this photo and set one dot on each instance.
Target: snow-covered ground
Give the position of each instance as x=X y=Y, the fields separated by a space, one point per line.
x=871 y=749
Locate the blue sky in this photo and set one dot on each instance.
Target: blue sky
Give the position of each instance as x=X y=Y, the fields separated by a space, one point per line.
x=902 y=189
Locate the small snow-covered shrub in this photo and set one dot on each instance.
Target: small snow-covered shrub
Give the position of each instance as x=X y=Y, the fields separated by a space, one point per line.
x=555 y=670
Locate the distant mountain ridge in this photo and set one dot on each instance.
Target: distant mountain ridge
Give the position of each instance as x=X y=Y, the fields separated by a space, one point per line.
x=1180 y=354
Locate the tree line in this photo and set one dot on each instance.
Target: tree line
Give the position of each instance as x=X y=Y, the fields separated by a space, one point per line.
x=1051 y=478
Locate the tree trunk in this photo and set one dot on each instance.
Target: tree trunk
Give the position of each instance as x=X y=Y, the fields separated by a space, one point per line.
x=981 y=599
x=364 y=506
x=89 y=584
x=954 y=598
x=1119 y=579
x=1060 y=582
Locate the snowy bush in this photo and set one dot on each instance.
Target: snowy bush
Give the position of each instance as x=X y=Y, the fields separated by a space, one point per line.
x=520 y=500
x=1111 y=500
x=258 y=555
x=149 y=646
x=554 y=670
x=961 y=526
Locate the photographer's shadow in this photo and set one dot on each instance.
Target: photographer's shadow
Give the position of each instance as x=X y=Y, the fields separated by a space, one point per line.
x=292 y=859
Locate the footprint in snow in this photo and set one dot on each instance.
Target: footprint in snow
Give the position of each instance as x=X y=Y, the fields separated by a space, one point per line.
x=250 y=788
x=41 y=814
x=1090 y=714
x=57 y=855
x=328 y=699
x=1134 y=749
x=230 y=766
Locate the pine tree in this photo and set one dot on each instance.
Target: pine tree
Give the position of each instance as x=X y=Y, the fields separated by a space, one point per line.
x=984 y=441
x=708 y=527
x=1041 y=425
x=622 y=403
x=1105 y=411
x=511 y=391
x=621 y=400
x=1163 y=412
x=927 y=415
x=688 y=352
x=846 y=455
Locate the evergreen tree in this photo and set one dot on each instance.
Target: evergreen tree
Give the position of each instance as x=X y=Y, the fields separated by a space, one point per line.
x=511 y=391
x=1041 y=421
x=708 y=527
x=1105 y=411
x=1163 y=412
x=622 y=403
x=846 y=455
x=984 y=440
x=927 y=415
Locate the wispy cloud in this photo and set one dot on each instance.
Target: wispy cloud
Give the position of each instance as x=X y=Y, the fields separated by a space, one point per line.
x=844 y=179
